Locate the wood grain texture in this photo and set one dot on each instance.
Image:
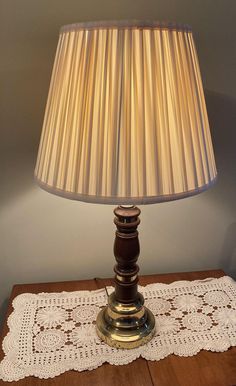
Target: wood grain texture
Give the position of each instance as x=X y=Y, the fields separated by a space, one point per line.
x=204 y=369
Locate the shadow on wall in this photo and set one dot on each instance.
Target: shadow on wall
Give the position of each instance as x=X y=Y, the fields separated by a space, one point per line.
x=17 y=174
x=228 y=253
x=222 y=118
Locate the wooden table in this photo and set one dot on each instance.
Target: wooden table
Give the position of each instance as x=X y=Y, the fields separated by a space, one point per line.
x=203 y=369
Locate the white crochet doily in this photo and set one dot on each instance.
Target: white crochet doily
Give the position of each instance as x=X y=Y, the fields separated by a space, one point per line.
x=50 y=333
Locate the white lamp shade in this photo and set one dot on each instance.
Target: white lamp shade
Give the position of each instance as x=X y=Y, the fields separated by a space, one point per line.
x=126 y=120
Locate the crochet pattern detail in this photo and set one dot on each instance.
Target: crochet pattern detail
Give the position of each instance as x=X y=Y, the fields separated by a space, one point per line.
x=50 y=333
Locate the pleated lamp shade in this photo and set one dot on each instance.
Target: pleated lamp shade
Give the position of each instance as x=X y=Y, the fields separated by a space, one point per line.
x=126 y=121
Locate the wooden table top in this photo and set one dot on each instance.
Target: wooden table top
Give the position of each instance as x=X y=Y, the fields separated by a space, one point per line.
x=204 y=369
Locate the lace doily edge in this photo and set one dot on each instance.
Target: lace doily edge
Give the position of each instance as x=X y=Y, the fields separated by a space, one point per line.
x=18 y=373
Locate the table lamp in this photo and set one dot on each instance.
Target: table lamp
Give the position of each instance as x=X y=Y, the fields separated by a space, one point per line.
x=125 y=124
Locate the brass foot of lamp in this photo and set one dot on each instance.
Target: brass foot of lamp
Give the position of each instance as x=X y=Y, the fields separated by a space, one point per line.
x=126 y=124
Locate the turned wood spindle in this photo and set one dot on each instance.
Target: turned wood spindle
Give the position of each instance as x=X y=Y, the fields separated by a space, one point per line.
x=126 y=251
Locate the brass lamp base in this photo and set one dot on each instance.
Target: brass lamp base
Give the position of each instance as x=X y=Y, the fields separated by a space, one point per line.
x=125 y=322
x=125 y=325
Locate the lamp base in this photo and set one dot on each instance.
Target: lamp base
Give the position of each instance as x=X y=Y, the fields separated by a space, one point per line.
x=125 y=326
x=125 y=322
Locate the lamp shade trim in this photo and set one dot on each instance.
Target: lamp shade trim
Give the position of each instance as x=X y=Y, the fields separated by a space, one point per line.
x=125 y=24
x=93 y=199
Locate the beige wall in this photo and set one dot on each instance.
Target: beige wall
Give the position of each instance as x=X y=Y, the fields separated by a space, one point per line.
x=47 y=238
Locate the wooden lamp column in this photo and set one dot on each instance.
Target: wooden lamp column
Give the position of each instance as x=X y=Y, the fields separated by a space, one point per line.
x=126 y=251
x=125 y=322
